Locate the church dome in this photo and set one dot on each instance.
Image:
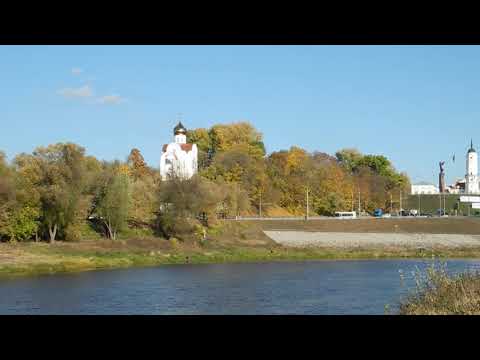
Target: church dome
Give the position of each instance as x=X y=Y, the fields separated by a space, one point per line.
x=179 y=129
x=471 y=150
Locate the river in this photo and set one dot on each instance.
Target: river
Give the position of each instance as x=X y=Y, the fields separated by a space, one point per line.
x=311 y=287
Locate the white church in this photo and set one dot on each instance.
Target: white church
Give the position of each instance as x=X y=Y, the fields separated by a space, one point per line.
x=178 y=158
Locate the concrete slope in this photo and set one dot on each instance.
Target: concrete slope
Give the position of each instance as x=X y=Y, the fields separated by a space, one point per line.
x=354 y=240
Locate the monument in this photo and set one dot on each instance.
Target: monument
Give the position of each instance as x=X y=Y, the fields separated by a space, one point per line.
x=441 y=178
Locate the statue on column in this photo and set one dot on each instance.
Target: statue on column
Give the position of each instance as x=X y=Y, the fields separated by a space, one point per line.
x=441 y=177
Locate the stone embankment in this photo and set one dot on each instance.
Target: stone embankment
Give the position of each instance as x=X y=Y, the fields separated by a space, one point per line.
x=303 y=239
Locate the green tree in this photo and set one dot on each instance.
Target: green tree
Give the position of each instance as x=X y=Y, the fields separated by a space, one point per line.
x=349 y=158
x=57 y=173
x=18 y=213
x=112 y=201
x=21 y=223
x=225 y=136
x=183 y=202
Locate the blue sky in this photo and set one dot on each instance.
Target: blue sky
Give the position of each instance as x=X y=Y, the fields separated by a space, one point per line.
x=415 y=104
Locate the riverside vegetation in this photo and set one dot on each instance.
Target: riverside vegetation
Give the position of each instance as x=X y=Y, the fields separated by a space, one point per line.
x=60 y=206
x=60 y=193
x=438 y=293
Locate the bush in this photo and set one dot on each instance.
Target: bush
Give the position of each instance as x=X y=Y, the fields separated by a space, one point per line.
x=21 y=224
x=73 y=233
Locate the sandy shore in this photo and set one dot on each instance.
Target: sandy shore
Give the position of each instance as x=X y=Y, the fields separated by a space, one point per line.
x=354 y=240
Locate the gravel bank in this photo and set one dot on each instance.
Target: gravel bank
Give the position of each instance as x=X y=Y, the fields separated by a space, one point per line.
x=354 y=240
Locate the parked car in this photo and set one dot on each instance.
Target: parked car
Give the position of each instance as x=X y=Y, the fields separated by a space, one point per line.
x=378 y=213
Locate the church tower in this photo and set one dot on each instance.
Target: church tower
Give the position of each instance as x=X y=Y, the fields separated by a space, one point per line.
x=471 y=184
x=180 y=133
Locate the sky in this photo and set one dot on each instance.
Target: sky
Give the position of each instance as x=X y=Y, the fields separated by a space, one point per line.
x=417 y=105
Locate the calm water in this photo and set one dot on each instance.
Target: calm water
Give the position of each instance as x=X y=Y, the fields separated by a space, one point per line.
x=316 y=287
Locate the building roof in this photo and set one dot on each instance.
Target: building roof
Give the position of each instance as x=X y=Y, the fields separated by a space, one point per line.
x=184 y=147
x=423 y=183
x=179 y=129
x=471 y=150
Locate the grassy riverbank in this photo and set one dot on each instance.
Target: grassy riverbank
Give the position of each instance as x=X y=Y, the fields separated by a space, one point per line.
x=228 y=242
x=35 y=259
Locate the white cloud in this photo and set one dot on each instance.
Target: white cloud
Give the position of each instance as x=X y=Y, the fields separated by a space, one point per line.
x=111 y=99
x=81 y=92
x=76 y=71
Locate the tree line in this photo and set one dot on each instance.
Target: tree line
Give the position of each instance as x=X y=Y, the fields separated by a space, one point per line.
x=59 y=192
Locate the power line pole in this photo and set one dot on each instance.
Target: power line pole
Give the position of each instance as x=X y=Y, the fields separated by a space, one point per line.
x=391 y=203
x=307 y=205
x=401 y=202
x=353 y=201
x=260 y=204
x=444 y=203
x=440 y=197
x=359 y=208
x=419 y=208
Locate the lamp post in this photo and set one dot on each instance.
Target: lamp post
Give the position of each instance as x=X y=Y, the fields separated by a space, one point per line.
x=401 y=208
x=419 y=208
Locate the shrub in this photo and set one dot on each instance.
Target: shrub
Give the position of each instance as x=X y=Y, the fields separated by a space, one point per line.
x=438 y=293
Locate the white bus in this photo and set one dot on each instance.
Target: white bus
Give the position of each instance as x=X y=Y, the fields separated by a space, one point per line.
x=346 y=214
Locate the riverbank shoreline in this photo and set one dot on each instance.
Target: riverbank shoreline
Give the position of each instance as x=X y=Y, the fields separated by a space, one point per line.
x=33 y=259
x=235 y=242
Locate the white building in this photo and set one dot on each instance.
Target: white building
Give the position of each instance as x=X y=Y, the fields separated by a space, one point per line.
x=424 y=188
x=179 y=158
x=471 y=177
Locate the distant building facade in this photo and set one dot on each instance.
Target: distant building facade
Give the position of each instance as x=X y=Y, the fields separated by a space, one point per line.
x=179 y=159
x=424 y=188
x=457 y=188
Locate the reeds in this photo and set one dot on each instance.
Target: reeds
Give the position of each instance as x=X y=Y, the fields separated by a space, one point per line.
x=438 y=293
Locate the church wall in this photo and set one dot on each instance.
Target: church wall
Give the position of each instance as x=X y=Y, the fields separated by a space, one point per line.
x=184 y=162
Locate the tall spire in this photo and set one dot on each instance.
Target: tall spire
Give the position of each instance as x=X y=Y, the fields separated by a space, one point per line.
x=471 y=150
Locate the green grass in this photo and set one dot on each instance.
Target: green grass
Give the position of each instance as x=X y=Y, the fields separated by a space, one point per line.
x=431 y=203
x=60 y=260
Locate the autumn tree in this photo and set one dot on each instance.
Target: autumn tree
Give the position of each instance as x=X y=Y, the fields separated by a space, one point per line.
x=137 y=165
x=292 y=172
x=373 y=176
x=332 y=190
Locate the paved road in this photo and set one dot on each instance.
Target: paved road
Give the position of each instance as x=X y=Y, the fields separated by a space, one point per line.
x=340 y=219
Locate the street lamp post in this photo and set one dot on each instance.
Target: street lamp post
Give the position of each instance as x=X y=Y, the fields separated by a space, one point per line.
x=419 y=208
